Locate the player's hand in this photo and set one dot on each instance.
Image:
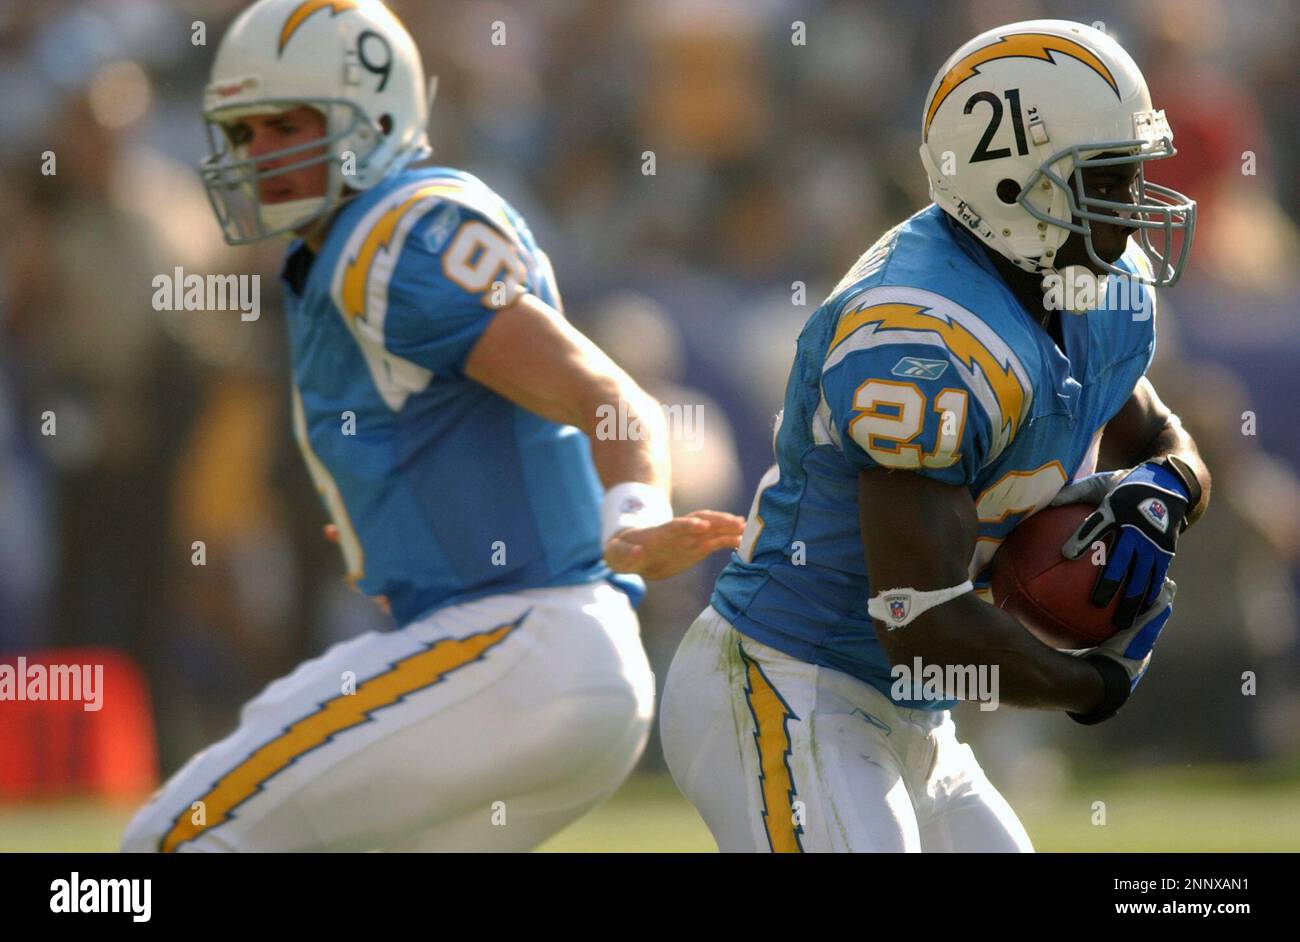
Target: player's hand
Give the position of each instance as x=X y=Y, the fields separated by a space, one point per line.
x=1146 y=507
x=1131 y=648
x=332 y=534
x=1090 y=490
x=669 y=548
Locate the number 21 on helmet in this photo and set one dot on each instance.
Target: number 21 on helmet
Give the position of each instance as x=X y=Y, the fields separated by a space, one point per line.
x=1036 y=104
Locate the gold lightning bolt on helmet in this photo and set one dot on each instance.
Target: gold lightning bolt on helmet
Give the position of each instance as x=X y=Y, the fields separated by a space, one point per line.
x=351 y=60
x=1037 y=103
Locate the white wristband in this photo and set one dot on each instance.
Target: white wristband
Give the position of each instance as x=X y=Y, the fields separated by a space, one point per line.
x=897 y=607
x=633 y=504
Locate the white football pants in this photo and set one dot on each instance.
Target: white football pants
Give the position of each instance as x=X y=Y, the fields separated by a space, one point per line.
x=782 y=755
x=489 y=725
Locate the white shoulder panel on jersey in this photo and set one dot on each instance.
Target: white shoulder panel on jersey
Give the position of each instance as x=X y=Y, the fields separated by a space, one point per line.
x=891 y=314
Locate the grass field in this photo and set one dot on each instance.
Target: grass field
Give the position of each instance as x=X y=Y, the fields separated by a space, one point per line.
x=1249 y=808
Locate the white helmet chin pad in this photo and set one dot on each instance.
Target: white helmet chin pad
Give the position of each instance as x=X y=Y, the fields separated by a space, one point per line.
x=291 y=214
x=1015 y=117
x=350 y=60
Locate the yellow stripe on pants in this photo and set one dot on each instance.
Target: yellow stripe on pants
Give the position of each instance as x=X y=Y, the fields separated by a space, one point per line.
x=772 y=737
x=403 y=678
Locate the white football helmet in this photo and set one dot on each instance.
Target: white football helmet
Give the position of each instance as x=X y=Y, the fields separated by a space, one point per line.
x=1013 y=119
x=351 y=60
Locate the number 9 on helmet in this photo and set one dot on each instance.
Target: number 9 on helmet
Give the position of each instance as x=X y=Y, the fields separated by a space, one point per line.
x=350 y=60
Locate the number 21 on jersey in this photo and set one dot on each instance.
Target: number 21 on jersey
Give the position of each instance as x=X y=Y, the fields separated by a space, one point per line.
x=891 y=415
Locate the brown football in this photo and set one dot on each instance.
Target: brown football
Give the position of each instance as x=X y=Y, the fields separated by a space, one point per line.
x=1048 y=593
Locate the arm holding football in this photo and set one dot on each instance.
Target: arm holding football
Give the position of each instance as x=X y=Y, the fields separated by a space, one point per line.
x=1164 y=486
x=920 y=533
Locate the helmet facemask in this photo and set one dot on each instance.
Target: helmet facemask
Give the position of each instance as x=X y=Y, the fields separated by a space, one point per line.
x=1163 y=219
x=232 y=179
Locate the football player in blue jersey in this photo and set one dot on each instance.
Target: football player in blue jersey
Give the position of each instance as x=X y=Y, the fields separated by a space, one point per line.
x=939 y=397
x=451 y=419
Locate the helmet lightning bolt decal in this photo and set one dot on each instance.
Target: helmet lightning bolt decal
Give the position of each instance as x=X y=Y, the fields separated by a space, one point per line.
x=1018 y=45
x=332 y=717
x=772 y=737
x=305 y=9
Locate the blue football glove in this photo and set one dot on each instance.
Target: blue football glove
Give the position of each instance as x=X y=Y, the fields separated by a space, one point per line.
x=1131 y=648
x=1147 y=507
x=1124 y=658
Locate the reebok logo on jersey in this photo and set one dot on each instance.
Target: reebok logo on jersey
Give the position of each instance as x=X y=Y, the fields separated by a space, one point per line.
x=1154 y=509
x=446 y=220
x=917 y=368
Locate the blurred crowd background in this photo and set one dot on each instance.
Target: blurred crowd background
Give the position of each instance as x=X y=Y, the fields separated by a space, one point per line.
x=776 y=164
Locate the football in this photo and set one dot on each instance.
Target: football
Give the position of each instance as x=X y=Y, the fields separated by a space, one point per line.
x=1048 y=593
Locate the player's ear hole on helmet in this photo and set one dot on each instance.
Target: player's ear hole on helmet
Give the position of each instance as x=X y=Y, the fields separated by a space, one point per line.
x=386 y=124
x=1008 y=190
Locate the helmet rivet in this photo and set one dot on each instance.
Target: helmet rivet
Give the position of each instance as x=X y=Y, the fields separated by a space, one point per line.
x=1044 y=185
x=1050 y=252
x=1006 y=232
x=1042 y=227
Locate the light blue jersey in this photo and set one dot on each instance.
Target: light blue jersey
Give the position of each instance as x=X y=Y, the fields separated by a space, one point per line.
x=442 y=491
x=922 y=359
